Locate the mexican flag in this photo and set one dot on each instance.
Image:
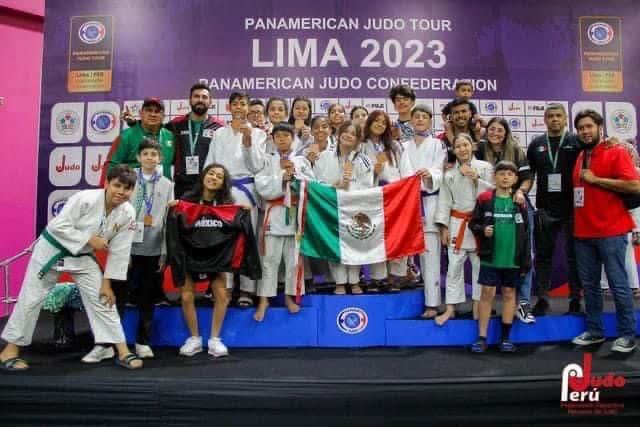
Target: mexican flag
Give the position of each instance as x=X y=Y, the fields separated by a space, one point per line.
x=362 y=226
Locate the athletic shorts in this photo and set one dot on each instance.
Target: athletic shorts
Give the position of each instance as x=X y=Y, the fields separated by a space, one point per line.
x=507 y=277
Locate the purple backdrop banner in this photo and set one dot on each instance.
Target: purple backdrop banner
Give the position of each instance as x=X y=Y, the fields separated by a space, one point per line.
x=103 y=55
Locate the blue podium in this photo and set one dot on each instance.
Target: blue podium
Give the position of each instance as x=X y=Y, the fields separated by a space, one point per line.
x=353 y=321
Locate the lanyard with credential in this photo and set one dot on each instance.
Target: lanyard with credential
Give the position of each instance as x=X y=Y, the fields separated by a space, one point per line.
x=554 y=159
x=148 y=200
x=194 y=141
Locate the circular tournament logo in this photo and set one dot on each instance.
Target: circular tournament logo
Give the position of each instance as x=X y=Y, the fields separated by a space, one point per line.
x=103 y=121
x=621 y=120
x=324 y=106
x=515 y=123
x=352 y=320
x=600 y=33
x=92 y=32
x=67 y=122
x=57 y=206
x=491 y=107
x=360 y=226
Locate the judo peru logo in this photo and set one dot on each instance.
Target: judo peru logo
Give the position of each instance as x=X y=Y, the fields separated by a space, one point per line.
x=361 y=227
x=103 y=121
x=621 y=120
x=67 y=122
x=600 y=33
x=580 y=393
x=352 y=320
x=92 y=32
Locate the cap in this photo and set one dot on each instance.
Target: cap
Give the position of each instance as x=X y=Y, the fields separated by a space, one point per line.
x=153 y=101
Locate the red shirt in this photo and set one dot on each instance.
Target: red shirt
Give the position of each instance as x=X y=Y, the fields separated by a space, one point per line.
x=604 y=213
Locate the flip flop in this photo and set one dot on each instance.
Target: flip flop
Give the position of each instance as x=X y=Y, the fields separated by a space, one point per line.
x=340 y=290
x=9 y=365
x=126 y=362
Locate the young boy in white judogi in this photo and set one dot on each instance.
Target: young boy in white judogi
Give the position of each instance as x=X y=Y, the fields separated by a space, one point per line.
x=241 y=149
x=277 y=234
x=424 y=156
x=100 y=219
x=346 y=169
x=458 y=193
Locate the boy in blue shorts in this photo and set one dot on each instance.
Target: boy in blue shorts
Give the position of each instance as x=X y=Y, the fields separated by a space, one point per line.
x=502 y=230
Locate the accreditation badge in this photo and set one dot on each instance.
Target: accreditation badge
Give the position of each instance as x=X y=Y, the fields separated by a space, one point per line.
x=138 y=234
x=578 y=197
x=555 y=183
x=193 y=165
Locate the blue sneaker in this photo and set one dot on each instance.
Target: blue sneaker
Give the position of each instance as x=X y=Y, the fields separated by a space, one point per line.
x=479 y=346
x=507 y=346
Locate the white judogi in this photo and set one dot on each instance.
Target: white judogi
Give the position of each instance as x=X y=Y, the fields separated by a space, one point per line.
x=243 y=163
x=329 y=169
x=429 y=154
x=389 y=173
x=278 y=233
x=82 y=217
x=458 y=195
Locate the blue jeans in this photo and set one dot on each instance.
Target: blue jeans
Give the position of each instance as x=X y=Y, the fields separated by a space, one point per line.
x=591 y=255
x=524 y=289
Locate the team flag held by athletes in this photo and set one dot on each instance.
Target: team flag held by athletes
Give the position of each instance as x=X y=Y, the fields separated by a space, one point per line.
x=361 y=226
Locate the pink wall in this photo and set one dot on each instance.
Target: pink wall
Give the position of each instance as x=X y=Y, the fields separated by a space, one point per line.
x=21 y=32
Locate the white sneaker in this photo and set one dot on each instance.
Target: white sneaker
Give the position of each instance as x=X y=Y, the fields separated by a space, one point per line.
x=191 y=347
x=144 y=351
x=524 y=313
x=217 y=347
x=98 y=354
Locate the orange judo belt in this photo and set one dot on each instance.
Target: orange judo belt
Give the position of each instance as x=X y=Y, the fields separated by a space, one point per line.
x=465 y=217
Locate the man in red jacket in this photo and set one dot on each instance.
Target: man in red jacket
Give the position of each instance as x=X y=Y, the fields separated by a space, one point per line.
x=602 y=175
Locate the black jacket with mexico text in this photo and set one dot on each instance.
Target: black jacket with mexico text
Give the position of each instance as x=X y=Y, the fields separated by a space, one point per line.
x=211 y=239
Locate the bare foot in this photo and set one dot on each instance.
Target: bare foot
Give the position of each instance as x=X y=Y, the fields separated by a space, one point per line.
x=356 y=289
x=291 y=304
x=429 y=313
x=444 y=317
x=258 y=316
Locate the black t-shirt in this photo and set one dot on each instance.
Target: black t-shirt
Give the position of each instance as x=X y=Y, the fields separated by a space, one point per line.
x=559 y=204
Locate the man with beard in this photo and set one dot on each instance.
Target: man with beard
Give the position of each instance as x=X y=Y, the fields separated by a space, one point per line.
x=460 y=121
x=602 y=175
x=193 y=133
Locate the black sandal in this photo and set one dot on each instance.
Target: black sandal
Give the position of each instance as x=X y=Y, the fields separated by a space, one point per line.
x=126 y=362
x=9 y=365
